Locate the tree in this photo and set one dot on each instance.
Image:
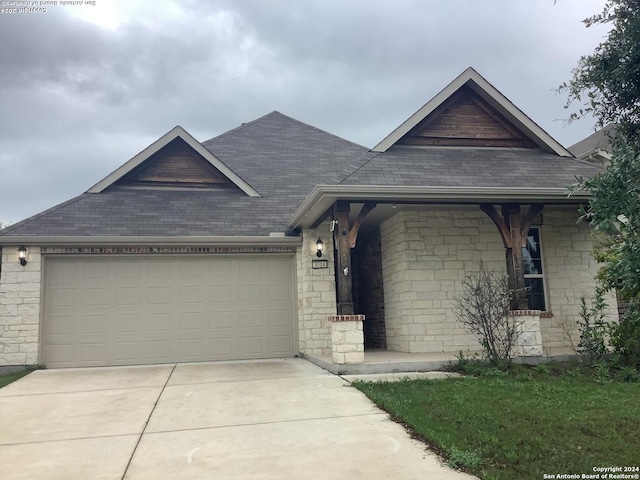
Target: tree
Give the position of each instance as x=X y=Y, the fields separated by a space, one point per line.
x=607 y=85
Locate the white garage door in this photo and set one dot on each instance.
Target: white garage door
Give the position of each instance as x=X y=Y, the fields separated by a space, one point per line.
x=143 y=310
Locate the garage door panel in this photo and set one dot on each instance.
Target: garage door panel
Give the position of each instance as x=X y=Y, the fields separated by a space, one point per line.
x=159 y=295
x=128 y=323
x=126 y=270
x=221 y=347
x=158 y=350
x=279 y=318
x=127 y=351
x=279 y=292
x=221 y=320
x=249 y=268
x=221 y=293
x=279 y=343
x=250 y=293
x=92 y=324
x=95 y=296
x=64 y=297
x=251 y=319
x=158 y=322
x=192 y=294
x=93 y=353
x=128 y=296
x=251 y=345
x=140 y=310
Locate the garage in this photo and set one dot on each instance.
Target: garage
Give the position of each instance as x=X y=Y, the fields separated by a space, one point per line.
x=134 y=310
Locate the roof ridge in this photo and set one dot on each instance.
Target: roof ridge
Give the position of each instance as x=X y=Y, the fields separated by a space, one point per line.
x=239 y=127
x=287 y=117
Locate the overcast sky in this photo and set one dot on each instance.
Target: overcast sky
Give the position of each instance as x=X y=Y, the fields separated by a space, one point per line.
x=85 y=88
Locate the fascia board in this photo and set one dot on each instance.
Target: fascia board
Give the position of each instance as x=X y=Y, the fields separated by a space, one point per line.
x=162 y=142
x=37 y=240
x=323 y=196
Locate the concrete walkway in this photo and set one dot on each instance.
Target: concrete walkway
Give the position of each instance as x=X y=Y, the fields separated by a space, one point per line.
x=280 y=419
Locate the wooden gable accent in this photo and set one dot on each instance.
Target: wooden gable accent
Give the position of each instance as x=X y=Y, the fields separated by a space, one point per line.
x=465 y=119
x=175 y=165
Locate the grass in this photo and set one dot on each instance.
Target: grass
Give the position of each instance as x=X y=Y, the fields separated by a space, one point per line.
x=521 y=424
x=12 y=377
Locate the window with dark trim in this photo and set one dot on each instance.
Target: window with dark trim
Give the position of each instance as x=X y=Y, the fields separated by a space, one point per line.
x=533 y=271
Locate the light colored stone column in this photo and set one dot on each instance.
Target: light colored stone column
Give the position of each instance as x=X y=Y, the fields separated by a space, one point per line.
x=529 y=338
x=19 y=307
x=347 y=339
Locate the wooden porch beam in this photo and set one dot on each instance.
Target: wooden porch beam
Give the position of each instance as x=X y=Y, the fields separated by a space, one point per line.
x=353 y=233
x=321 y=218
x=503 y=229
x=513 y=228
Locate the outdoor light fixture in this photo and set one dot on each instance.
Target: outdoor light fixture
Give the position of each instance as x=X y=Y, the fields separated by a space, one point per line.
x=319 y=248
x=22 y=255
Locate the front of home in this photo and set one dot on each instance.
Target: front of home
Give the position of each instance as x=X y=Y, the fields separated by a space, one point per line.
x=277 y=239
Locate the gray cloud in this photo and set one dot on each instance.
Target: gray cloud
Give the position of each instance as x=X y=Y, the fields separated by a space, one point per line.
x=78 y=100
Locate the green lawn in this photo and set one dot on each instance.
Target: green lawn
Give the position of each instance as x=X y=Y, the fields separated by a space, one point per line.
x=12 y=377
x=520 y=426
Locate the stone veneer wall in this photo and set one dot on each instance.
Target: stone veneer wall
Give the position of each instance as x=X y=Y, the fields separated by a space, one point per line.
x=19 y=307
x=316 y=293
x=426 y=254
x=570 y=271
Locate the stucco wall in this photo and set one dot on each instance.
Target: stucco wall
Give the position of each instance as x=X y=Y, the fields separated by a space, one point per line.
x=19 y=307
x=428 y=252
x=316 y=293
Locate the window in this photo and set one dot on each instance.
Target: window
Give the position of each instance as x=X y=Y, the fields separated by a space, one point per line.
x=533 y=274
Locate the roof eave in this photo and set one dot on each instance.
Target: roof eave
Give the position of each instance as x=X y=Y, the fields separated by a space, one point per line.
x=112 y=240
x=323 y=196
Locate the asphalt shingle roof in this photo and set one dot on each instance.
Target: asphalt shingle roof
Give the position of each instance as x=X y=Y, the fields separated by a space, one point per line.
x=283 y=159
x=599 y=140
x=470 y=167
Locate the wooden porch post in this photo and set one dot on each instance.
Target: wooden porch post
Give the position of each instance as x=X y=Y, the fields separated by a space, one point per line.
x=513 y=228
x=345 y=237
x=343 y=267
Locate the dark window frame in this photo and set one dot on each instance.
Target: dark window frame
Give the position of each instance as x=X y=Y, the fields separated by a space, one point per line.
x=534 y=271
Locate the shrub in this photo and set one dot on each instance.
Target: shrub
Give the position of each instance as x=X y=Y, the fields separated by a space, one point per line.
x=625 y=337
x=482 y=307
x=593 y=329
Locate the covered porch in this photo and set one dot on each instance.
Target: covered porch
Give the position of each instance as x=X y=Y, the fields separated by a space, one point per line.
x=398 y=266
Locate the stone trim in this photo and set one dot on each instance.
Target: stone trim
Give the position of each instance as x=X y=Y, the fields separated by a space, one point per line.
x=346 y=318
x=546 y=314
x=143 y=250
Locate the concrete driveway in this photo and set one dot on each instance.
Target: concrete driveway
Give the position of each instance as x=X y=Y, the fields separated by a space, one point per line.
x=279 y=419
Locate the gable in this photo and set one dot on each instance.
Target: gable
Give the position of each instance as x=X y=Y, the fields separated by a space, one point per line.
x=475 y=114
x=465 y=119
x=175 y=165
x=166 y=166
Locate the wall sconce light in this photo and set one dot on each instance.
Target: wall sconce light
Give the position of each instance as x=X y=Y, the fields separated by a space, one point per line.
x=319 y=248
x=22 y=255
